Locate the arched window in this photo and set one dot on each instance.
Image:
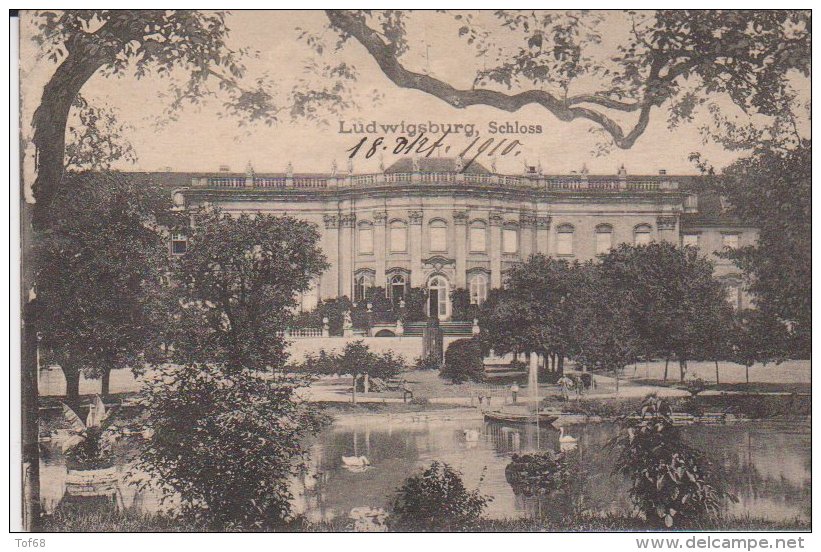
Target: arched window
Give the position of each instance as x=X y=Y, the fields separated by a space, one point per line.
x=399 y=236
x=361 y=286
x=396 y=288
x=478 y=289
x=478 y=236
x=438 y=303
x=366 y=238
x=564 y=239
x=510 y=239
x=604 y=239
x=438 y=233
x=641 y=234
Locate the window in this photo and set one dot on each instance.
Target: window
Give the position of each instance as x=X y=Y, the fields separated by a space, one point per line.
x=310 y=298
x=730 y=241
x=641 y=234
x=604 y=239
x=478 y=289
x=399 y=237
x=361 y=286
x=438 y=297
x=478 y=237
x=690 y=240
x=396 y=289
x=510 y=240
x=564 y=240
x=734 y=293
x=438 y=235
x=179 y=244
x=366 y=239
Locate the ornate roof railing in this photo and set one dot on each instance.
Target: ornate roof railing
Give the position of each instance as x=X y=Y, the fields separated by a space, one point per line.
x=569 y=183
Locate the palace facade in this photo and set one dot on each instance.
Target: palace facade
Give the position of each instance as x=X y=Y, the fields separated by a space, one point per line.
x=431 y=223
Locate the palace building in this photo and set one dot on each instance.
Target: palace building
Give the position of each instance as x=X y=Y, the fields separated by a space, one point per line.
x=432 y=223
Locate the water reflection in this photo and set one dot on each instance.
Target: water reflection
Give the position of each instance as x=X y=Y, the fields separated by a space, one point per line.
x=766 y=465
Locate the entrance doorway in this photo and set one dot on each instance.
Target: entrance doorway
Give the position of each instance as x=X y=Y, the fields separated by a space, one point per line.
x=438 y=301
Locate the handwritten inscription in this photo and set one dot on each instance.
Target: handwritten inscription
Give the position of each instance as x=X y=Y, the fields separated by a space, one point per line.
x=422 y=145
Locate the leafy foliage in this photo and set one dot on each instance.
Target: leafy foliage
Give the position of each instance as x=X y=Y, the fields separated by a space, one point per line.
x=556 y=480
x=226 y=442
x=99 y=268
x=237 y=284
x=436 y=500
x=356 y=360
x=771 y=190
x=676 y=59
x=671 y=481
x=88 y=446
x=463 y=361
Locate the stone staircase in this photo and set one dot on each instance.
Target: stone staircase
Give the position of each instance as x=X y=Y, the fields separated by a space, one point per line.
x=449 y=329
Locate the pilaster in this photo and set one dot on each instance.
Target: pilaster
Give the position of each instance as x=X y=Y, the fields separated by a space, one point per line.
x=415 y=219
x=460 y=220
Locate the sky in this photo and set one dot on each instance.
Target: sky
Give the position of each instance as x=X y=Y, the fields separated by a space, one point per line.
x=201 y=140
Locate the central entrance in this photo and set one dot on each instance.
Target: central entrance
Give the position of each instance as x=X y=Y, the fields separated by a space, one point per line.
x=438 y=301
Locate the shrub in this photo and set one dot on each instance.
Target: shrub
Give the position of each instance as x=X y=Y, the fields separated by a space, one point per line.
x=88 y=446
x=671 y=483
x=436 y=500
x=554 y=479
x=226 y=443
x=463 y=361
x=426 y=363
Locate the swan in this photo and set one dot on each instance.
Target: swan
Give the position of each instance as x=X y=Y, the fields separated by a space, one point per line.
x=355 y=461
x=566 y=442
x=471 y=435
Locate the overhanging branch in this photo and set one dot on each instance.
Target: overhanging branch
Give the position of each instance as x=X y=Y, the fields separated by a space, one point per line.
x=564 y=109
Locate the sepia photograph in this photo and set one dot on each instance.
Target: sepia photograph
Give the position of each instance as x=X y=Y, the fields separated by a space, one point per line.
x=394 y=270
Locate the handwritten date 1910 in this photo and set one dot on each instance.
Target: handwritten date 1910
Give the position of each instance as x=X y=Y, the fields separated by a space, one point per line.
x=422 y=145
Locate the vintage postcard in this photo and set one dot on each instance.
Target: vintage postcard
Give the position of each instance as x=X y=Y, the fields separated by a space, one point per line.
x=415 y=271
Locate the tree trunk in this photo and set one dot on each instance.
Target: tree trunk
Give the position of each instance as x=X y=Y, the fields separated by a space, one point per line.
x=682 y=367
x=353 y=390
x=72 y=376
x=666 y=364
x=49 y=122
x=105 y=383
x=366 y=383
x=30 y=427
x=747 y=372
x=50 y=119
x=717 y=382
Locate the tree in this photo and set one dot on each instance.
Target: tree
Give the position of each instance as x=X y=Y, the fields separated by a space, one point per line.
x=355 y=360
x=227 y=423
x=237 y=284
x=533 y=314
x=99 y=269
x=436 y=500
x=771 y=190
x=671 y=294
x=604 y=335
x=758 y=337
x=672 y=59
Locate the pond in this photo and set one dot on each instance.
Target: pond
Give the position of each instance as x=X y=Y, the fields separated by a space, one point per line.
x=766 y=464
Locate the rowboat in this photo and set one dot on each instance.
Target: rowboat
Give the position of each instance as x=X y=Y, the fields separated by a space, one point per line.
x=519 y=417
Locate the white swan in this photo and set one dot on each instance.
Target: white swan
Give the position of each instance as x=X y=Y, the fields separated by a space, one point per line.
x=355 y=461
x=471 y=435
x=566 y=442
